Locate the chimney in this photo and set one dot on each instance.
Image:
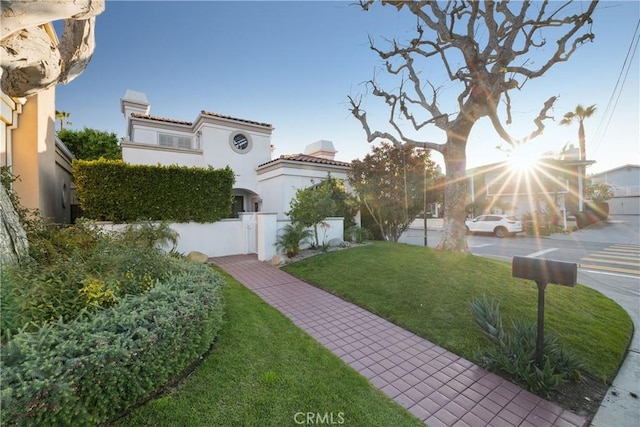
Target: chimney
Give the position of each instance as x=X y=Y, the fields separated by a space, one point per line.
x=133 y=102
x=323 y=149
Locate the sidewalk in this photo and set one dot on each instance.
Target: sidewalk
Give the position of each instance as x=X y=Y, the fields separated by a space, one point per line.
x=434 y=384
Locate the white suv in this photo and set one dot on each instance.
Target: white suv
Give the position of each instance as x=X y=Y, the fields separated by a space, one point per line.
x=500 y=225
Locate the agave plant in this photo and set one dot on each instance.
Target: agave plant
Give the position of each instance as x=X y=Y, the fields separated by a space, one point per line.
x=292 y=236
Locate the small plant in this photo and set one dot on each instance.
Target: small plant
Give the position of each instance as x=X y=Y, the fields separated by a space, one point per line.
x=515 y=351
x=291 y=238
x=357 y=234
x=599 y=192
x=151 y=235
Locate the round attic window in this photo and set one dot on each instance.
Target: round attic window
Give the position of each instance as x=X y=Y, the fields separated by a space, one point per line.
x=240 y=142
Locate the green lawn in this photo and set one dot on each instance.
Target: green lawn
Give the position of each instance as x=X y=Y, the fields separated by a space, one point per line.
x=428 y=292
x=263 y=371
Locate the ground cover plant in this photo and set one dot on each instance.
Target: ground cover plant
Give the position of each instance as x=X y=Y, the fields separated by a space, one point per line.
x=262 y=372
x=80 y=268
x=94 y=322
x=428 y=292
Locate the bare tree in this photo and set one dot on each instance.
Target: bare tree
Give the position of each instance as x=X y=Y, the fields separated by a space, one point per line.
x=485 y=47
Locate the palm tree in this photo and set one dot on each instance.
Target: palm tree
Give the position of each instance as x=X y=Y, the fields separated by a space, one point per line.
x=63 y=116
x=579 y=114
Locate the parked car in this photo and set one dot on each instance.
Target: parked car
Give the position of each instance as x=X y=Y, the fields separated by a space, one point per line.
x=500 y=225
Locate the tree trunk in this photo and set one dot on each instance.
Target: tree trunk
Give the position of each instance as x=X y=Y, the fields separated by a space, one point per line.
x=454 y=236
x=581 y=141
x=13 y=239
x=583 y=156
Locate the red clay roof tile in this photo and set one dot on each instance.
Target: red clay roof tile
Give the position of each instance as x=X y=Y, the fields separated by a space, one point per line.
x=222 y=116
x=160 y=119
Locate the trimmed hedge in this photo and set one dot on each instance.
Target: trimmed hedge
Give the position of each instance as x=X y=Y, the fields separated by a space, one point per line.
x=89 y=371
x=111 y=190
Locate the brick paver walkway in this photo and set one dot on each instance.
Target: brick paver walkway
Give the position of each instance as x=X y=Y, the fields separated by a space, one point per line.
x=434 y=384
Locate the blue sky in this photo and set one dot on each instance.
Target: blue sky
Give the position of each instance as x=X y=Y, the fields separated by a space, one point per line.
x=293 y=64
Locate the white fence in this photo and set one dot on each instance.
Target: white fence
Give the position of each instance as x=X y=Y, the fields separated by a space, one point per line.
x=251 y=233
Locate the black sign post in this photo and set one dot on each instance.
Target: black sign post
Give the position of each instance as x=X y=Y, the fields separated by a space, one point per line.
x=543 y=271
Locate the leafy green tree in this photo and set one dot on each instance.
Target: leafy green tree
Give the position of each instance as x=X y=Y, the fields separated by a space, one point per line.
x=347 y=205
x=390 y=182
x=599 y=192
x=312 y=205
x=91 y=144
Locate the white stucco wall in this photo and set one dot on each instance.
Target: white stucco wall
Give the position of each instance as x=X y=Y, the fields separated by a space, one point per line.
x=221 y=238
x=331 y=228
x=218 y=152
x=147 y=154
x=278 y=185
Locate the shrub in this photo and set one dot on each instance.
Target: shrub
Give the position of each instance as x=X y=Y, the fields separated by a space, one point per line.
x=515 y=351
x=116 y=191
x=291 y=238
x=357 y=234
x=81 y=268
x=88 y=371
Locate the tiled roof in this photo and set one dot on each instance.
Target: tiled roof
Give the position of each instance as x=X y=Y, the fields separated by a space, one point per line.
x=304 y=158
x=160 y=119
x=222 y=116
x=206 y=113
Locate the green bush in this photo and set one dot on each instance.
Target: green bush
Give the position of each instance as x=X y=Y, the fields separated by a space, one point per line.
x=88 y=371
x=116 y=191
x=80 y=268
x=291 y=238
x=515 y=351
x=357 y=234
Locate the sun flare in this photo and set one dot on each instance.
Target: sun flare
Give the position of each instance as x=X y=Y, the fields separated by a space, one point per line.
x=523 y=159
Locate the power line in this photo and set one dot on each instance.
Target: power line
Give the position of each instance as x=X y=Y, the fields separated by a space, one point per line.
x=609 y=110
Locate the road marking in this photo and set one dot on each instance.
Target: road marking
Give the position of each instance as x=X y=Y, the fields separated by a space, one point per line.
x=627 y=246
x=480 y=245
x=601 y=255
x=619 y=270
x=622 y=250
x=609 y=274
x=610 y=261
x=536 y=254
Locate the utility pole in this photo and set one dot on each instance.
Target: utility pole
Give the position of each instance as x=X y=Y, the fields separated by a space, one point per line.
x=424 y=207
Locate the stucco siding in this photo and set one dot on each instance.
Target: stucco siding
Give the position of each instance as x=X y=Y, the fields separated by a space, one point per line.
x=146 y=154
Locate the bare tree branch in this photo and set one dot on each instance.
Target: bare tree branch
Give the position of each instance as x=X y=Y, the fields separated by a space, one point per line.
x=372 y=136
x=539 y=121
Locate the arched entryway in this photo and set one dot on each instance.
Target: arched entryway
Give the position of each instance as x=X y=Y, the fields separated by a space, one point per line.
x=245 y=201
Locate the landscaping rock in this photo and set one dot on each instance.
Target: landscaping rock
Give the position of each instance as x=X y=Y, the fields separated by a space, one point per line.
x=337 y=242
x=198 y=257
x=277 y=260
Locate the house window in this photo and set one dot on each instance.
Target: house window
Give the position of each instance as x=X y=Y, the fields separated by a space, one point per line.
x=240 y=142
x=174 y=141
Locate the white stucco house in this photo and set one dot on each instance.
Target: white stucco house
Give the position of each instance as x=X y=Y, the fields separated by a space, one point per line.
x=625 y=183
x=263 y=188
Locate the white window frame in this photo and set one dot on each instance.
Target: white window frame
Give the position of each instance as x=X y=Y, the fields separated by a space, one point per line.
x=175 y=141
x=233 y=145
